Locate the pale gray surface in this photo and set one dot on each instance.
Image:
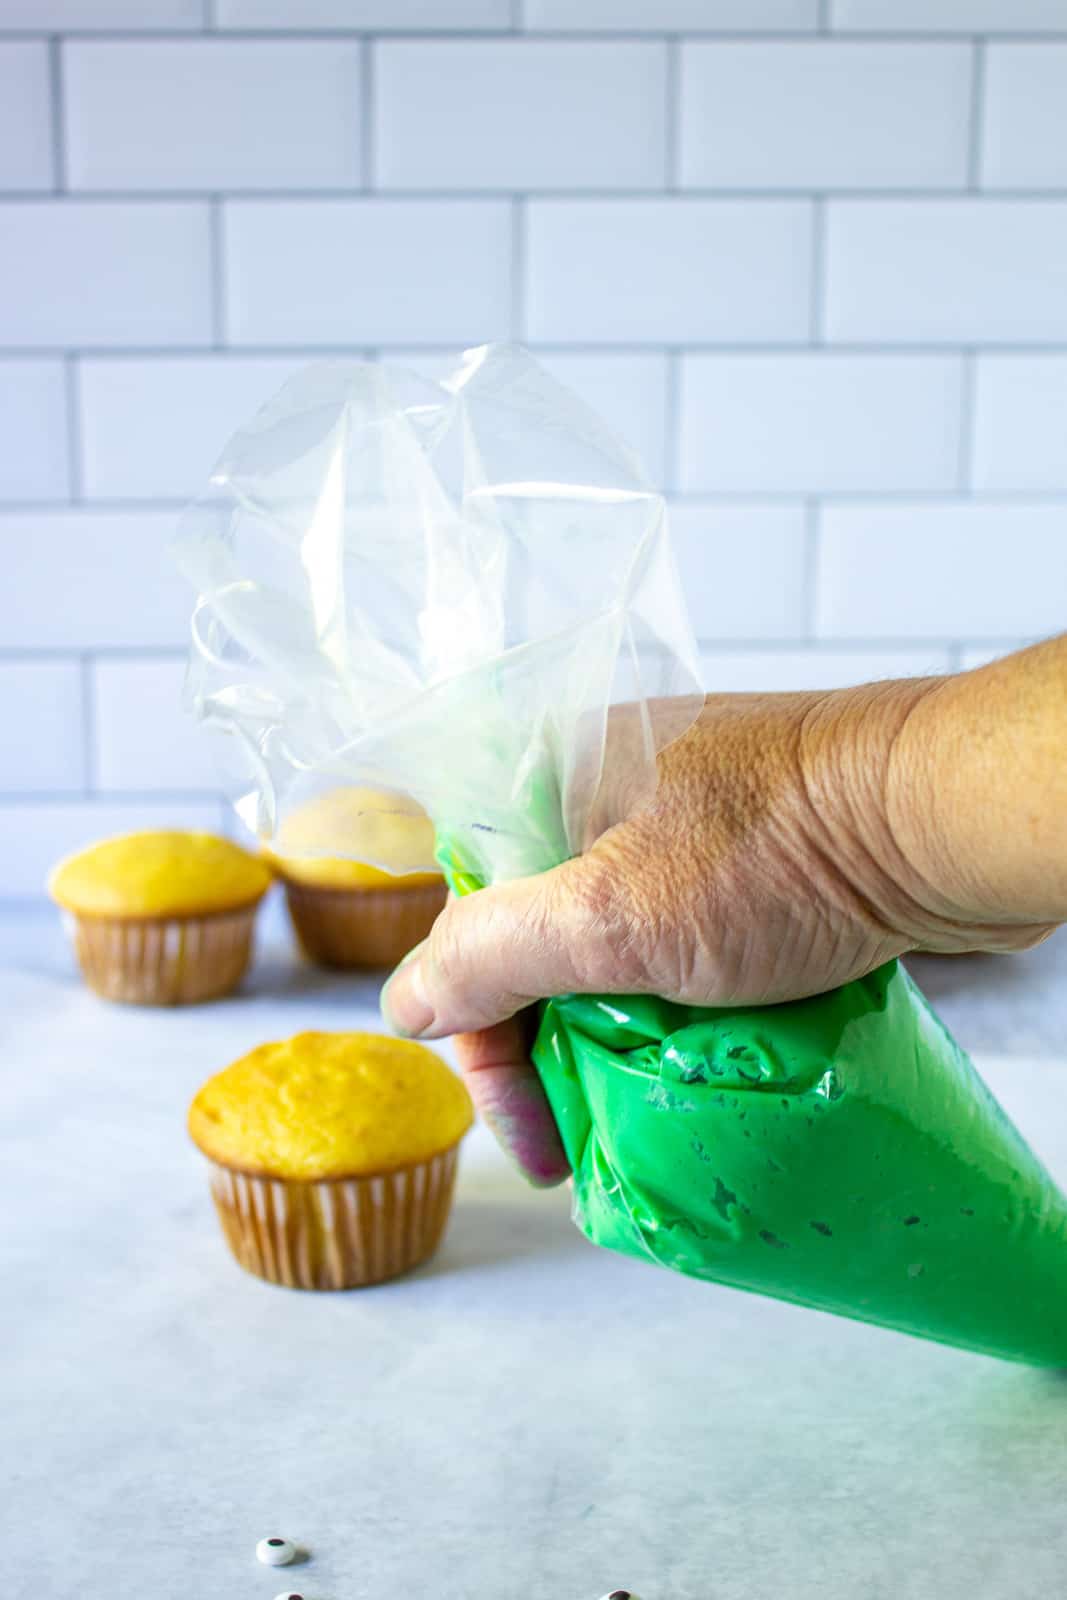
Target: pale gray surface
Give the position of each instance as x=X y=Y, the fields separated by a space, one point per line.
x=526 y=1417
x=1011 y=1005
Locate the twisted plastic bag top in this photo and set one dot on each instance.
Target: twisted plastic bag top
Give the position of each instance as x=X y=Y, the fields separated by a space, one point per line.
x=443 y=590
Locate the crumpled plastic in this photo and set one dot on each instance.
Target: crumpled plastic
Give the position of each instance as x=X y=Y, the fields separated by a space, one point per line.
x=439 y=590
x=464 y=592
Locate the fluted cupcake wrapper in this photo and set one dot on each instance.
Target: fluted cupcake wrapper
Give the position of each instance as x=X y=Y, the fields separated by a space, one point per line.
x=163 y=961
x=341 y=1233
x=362 y=927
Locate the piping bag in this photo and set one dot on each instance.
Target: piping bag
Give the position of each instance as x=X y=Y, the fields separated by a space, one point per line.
x=463 y=592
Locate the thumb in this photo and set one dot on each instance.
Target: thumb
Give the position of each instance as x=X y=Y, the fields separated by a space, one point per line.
x=492 y=953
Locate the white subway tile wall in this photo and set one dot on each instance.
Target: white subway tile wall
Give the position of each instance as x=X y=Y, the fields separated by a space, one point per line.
x=919 y=571
x=83 y=273
x=947 y=271
x=808 y=256
x=339 y=15
x=25 y=117
x=984 y=655
x=34 y=459
x=1020 y=422
x=775 y=671
x=520 y=114
x=819 y=421
x=41 y=705
x=1024 y=132
x=144 y=738
x=85 y=580
x=947 y=16
x=743 y=569
x=324 y=272
x=868 y=116
x=153 y=427
x=212 y=113
x=671 y=15
x=668 y=270
x=89 y=16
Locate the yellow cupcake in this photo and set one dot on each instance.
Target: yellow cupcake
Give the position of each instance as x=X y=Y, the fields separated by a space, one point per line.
x=345 y=911
x=332 y=1156
x=161 y=918
x=159 y=874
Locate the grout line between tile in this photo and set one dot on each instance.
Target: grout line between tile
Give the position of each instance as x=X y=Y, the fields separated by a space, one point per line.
x=933 y=498
x=767 y=644
x=812 y=540
x=519 y=264
x=978 y=77
x=571 y=35
x=106 y=505
x=754 y=495
x=672 y=131
x=106 y=797
x=1006 y=500
x=824 y=648
x=75 y=453
x=58 y=115
x=88 y=689
x=45 y=653
x=817 y=307
x=367 y=75
x=672 y=423
x=1034 y=195
x=104 y=652
x=217 y=267
x=755 y=347
x=968 y=385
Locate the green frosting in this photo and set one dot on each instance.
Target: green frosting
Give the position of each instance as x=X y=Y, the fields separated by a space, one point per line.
x=840 y=1152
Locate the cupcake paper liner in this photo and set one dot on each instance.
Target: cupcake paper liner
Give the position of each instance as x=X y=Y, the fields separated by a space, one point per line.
x=341 y=1233
x=362 y=927
x=164 y=961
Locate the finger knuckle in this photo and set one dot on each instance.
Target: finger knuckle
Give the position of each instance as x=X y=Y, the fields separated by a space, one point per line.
x=610 y=925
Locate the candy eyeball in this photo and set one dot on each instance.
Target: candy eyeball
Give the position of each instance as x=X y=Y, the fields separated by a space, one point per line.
x=275 y=1552
x=289 y=1594
x=621 y=1594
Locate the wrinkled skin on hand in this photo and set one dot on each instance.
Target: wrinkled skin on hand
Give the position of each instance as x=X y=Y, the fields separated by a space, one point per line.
x=775 y=860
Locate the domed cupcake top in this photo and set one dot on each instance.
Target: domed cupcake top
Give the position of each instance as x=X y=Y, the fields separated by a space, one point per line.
x=330 y=1105
x=159 y=874
x=330 y=842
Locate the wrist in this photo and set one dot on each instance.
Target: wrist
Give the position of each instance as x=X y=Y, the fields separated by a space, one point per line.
x=863 y=771
x=977 y=790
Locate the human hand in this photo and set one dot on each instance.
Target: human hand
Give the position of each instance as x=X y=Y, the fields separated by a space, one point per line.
x=792 y=845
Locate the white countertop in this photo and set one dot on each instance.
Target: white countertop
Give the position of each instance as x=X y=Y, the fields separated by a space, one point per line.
x=526 y=1417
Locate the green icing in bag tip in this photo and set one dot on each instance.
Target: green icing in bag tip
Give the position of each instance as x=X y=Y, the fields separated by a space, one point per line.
x=840 y=1152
